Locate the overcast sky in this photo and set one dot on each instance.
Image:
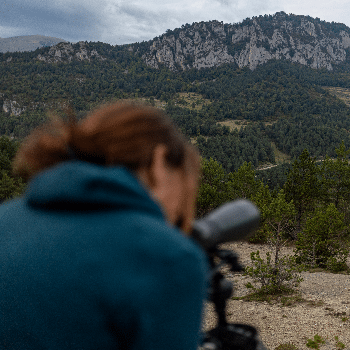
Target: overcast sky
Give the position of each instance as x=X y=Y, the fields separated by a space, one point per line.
x=128 y=21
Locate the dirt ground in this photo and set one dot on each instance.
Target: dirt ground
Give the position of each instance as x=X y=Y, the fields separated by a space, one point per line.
x=325 y=310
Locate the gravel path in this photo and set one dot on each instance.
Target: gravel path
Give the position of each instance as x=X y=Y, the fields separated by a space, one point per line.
x=315 y=285
x=329 y=302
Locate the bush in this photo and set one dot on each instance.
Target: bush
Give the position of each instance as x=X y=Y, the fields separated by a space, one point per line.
x=259 y=237
x=337 y=266
x=323 y=242
x=277 y=279
x=314 y=344
x=287 y=346
x=10 y=187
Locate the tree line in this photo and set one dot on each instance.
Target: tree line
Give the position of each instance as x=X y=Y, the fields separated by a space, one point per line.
x=311 y=208
x=286 y=101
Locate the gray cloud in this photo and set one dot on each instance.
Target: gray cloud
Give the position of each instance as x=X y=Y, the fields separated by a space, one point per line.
x=120 y=21
x=139 y=21
x=61 y=19
x=335 y=10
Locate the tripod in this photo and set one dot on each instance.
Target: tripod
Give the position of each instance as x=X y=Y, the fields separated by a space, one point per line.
x=227 y=336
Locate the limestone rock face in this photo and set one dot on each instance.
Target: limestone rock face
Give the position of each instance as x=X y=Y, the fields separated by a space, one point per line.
x=13 y=107
x=200 y=46
x=66 y=52
x=300 y=39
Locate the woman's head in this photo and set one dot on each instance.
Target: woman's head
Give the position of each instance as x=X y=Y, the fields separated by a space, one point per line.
x=139 y=137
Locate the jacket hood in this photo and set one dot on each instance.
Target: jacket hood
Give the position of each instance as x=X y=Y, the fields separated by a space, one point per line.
x=77 y=185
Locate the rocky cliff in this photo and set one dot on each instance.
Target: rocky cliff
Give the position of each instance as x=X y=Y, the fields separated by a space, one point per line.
x=300 y=39
x=66 y=52
x=13 y=107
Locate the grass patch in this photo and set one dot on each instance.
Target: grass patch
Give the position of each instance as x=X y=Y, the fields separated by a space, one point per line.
x=194 y=139
x=341 y=93
x=285 y=298
x=234 y=124
x=280 y=157
x=319 y=269
x=287 y=346
x=240 y=123
x=191 y=100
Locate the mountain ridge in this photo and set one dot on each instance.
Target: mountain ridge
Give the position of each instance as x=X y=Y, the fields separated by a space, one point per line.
x=300 y=39
x=27 y=43
x=280 y=102
x=250 y=43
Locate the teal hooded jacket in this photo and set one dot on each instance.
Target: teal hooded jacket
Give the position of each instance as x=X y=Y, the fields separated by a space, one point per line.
x=88 y=261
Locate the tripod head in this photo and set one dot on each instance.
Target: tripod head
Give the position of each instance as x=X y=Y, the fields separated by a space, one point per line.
x=230 y=222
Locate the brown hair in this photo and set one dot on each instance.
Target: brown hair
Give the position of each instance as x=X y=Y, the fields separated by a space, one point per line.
x=123 y=133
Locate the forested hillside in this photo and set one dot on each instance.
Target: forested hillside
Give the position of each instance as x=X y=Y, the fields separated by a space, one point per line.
x=282 y=102
x=276 y=132
x=266 y=116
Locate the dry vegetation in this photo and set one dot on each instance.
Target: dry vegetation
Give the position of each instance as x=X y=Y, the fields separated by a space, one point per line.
x=342 y=93
x=234 y=124
x=191 y=100
x=239 y=123
x=280 y=157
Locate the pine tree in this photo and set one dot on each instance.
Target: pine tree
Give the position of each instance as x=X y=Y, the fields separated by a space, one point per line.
x=243 y=183
x=325 y=237
x=214 y=187
x=278 y=217
x=303 y=186
x=335 y=178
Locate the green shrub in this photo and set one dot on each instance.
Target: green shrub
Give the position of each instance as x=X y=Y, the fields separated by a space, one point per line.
x=259 y=237
x=323 y=240
x=339 y=344
x=337 y=266
x=314 y=344
x=287 y=346
x=274 y=279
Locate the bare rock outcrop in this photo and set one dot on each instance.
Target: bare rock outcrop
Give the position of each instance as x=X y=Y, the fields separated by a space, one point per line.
x=300 y=39
x=66 y=52
x=13 y=107
x=200 y=46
